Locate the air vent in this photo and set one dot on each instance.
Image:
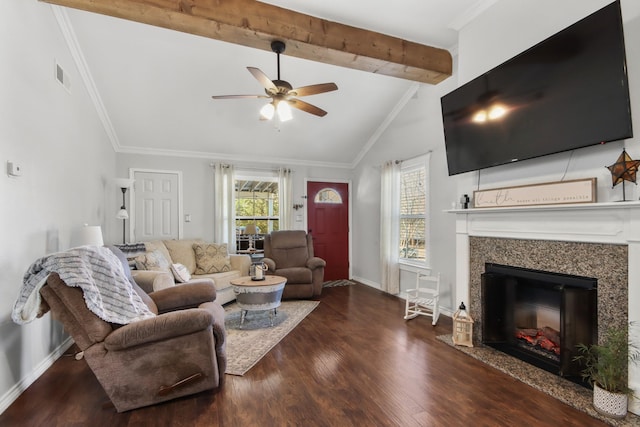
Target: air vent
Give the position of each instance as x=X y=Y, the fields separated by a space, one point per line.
x=62 y=77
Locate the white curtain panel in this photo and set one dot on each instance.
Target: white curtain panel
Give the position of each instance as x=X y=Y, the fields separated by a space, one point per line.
x=224 y=228
x=285 y=196
x=390 y=227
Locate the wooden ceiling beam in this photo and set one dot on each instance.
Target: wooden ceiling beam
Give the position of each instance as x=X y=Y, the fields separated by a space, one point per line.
x=255 y=24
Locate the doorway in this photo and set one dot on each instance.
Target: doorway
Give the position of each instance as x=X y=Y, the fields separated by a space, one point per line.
x=157 y=205
x=328 y=223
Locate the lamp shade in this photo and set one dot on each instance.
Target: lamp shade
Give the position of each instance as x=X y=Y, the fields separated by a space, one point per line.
x=122 y=214
x=91 y=235
x=124 y=182
x=284 y=111
x=266 y=112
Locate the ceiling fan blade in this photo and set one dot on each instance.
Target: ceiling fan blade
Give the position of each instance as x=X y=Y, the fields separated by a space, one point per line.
x=313 y=89
x=263 y=79
x=238 y=96
x=306 y=107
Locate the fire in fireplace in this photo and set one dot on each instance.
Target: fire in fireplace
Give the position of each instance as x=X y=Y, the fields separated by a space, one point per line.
x=544 y=341
x=539 y=316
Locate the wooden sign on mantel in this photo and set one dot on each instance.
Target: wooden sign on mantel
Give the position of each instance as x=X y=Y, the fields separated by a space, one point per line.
x=549 y=193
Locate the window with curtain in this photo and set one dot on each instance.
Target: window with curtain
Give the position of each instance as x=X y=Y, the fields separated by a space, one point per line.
x=256 y=205
x=414 y=208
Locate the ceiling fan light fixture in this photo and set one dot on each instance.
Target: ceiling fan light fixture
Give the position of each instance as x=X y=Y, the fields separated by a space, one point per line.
x=284 y=111
x=266 y=112
x=282 y=93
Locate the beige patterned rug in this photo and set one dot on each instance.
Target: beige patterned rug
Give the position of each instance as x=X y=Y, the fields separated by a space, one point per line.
x=247 y=344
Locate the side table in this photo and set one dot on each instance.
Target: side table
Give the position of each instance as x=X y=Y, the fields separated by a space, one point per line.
x=258 y=295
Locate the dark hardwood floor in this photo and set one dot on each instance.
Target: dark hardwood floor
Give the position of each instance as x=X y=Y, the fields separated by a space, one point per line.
x=353 y=361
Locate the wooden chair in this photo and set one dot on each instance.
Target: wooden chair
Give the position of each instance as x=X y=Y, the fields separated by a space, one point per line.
x=424 y=300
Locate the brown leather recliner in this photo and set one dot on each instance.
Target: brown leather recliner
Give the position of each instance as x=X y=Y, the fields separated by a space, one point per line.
x=289 y=253
x=179 y=352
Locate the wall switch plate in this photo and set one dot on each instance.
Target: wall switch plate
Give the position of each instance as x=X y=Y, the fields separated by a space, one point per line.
x=14 y=169
x=187 y=218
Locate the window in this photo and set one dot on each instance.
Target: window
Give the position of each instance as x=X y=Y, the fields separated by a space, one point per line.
x=328 y=195
x=413 y=210
x=257 y=205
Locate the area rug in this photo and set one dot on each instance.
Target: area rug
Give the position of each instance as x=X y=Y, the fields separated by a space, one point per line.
x=334 y=283
x=247 y=344
x=567 y=392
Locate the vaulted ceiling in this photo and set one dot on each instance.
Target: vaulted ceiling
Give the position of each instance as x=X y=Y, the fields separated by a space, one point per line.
x=152 y=86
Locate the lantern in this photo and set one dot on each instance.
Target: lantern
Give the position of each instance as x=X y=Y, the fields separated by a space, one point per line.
x=462 y=327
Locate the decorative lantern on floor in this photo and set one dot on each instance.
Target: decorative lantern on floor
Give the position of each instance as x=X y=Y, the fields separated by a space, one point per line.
x=462 y=327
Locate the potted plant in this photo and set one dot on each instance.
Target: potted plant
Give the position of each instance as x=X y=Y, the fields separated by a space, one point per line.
x=605 y=368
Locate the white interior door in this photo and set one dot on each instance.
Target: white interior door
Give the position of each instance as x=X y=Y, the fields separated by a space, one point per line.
x=157 y=207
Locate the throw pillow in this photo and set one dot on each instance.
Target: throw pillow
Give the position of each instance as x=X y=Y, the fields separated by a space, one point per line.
x=211 y=258
x=153 y=260
x=180 y=272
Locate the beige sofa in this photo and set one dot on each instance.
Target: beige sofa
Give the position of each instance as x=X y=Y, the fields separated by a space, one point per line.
x=182 y=252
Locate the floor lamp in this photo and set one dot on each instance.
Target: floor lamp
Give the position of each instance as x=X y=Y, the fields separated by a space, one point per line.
x=123 y=184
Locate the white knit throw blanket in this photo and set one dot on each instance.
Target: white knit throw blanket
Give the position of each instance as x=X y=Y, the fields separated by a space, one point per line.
x=97 y=271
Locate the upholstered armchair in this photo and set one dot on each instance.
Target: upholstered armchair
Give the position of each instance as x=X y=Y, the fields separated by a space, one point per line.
x=178 y=352
x=289 y=253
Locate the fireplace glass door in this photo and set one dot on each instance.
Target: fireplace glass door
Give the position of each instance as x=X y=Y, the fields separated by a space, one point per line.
x=538 y=316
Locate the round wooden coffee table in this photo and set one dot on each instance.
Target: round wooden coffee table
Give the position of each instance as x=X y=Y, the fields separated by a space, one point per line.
x=258 y=295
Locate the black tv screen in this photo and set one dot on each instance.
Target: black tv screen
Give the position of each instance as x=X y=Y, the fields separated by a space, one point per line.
x=567 y=92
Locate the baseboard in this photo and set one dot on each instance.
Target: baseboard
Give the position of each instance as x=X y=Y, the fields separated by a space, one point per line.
x=366 y=282
x=402 y=295
x=14 y=392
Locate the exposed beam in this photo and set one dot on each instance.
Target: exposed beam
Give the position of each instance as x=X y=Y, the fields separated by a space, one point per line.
x=255 y=24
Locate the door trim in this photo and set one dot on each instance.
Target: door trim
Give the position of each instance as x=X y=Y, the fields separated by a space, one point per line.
x=132 y=193
x=350 y=234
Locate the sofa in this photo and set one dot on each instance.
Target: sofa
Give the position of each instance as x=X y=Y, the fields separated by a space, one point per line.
x=165 y=263
x=176 y=352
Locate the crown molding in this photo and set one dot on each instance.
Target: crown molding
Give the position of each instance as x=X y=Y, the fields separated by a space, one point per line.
x=413 y=89
x=230 y=158
x=62 y=18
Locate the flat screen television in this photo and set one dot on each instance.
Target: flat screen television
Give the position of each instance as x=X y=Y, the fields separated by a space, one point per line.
x=568 y=91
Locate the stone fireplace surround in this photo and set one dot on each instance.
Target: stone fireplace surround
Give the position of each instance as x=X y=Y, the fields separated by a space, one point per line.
x=599 y=240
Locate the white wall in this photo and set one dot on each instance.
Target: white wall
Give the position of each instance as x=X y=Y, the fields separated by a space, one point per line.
x=416 y=130
x=501 y=32
x=489 y=40
x=66 y=160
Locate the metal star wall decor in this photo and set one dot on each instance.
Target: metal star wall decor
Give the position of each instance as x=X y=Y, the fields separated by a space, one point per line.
x=624 y=169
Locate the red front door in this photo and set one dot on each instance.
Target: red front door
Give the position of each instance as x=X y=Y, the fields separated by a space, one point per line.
x=328 y=220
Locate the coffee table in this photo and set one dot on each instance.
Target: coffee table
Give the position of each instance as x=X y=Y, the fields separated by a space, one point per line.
x=258 y=295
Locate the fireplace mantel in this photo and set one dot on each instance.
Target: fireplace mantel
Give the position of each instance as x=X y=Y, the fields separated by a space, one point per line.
x=565 y=207
x=590 y=222
x=613 y=223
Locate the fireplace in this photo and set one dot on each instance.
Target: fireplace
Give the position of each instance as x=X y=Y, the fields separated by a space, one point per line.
x=539 y=316
x=591 y=240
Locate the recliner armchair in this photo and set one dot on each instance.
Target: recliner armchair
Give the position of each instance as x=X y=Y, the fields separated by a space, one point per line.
x=289 y=253
x=179 y=352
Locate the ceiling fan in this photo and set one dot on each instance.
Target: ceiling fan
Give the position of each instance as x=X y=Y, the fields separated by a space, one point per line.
x=282 y=94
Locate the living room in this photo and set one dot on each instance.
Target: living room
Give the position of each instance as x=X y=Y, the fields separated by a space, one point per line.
x=68 y=161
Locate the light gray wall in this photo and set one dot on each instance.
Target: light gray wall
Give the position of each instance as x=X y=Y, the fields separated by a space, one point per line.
x=197 y=180
x=66 y=161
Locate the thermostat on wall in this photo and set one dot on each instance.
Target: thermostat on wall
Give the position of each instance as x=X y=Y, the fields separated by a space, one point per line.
x=14 y=169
